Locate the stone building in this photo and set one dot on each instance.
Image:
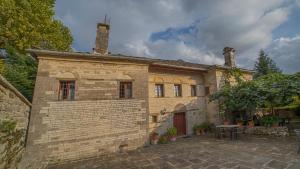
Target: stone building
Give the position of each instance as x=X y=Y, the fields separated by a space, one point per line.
x=89 y=104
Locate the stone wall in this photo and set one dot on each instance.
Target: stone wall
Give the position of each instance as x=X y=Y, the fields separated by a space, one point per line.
x=193 y=106
x=271 y=131
x=80 y=129
x=13 y=105
x=13 y=108
x=97 y=122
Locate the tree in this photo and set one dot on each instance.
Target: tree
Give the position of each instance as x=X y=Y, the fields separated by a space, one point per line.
x=268 y=91
x=265 y=65
x=278 y=89
x=20 y=71
x=30 y=23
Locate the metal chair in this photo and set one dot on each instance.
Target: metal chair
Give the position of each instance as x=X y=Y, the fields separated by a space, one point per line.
x=219 y=132
x=239 y=131
x=297 y=131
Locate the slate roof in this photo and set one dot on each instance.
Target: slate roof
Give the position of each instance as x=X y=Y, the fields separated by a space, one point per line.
x=152 y=61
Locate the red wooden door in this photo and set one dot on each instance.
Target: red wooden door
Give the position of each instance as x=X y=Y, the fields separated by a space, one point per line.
x=179 y=123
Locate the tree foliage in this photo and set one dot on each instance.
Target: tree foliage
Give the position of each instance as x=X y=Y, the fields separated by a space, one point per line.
x=30 y=23
x=268 y=91
x=265 y=65
x=20 y=71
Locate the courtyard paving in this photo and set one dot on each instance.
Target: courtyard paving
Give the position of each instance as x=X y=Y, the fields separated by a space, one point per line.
x=202 y=152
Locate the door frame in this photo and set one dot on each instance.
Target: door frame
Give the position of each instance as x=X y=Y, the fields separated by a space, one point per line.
x=185 y=119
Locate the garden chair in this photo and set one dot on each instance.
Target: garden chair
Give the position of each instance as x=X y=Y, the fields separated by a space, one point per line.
x=239 y=131
x=219 y=133
x=297 y=131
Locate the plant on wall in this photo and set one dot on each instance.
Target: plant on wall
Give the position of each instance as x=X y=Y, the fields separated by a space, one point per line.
x=163 y=111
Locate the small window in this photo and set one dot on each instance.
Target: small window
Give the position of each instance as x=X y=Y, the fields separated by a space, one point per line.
x=207 y=92
x=193 y=90
x=177 y=90
x=126 y=90
x=66 y=90
x=154 y=119
x=159 y=90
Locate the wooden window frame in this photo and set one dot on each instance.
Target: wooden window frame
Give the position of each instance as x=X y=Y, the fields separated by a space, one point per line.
x=207 y=90
x=161 y=86
x=154 y=119
x=193 y=90
x=122 y=90
x=179 y=93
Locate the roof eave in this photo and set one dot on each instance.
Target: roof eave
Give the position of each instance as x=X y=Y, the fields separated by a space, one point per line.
x=225 y=68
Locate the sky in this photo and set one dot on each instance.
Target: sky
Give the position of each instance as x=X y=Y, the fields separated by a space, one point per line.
x=192 y=30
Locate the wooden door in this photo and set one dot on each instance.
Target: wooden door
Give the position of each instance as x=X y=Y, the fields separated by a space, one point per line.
x=179 y=123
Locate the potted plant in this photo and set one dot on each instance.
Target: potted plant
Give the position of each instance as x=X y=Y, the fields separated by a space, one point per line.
x=172 y=132
x=251 y=123
x=226 y=122
x=163 y=139
x=154 y=138
x=240 y=122
x=197 y=129
x=205 y=127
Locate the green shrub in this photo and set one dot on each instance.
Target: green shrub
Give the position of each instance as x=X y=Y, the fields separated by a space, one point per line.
x=163 y=139
x=7 y=126
x=196 y=127
x=172 y=131
x=206 y=126
x=268 y=121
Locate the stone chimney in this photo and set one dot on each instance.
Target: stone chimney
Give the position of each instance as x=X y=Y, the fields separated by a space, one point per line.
x=102 y=38
x=229 y=55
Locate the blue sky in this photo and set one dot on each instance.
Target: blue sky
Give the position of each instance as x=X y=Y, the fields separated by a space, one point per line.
x=191 y=30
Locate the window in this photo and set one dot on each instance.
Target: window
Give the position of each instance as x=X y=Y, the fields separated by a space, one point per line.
x=66 y=90
x=177 y=90
x=126 y=90
x=193 y=90
x=159 y=90
x=154 y=119
x=207 y=92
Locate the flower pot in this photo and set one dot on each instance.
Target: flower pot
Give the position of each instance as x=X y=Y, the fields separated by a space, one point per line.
x=153 y=141
x=250 y=124
x=198 y=132
x=240 y=124
x=173 y=138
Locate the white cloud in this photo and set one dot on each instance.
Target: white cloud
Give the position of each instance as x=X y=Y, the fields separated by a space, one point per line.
x=286 y=53
x=244 y=25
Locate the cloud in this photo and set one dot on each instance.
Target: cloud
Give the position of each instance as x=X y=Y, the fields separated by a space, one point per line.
x=286 y=53
x=178 y=29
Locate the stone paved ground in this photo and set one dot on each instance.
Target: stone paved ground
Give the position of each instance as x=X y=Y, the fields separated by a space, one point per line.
x=203 y=152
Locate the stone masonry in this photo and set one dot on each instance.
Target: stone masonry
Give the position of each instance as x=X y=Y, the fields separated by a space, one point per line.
x=193 y=106
x=13 y=107
x=97 y=121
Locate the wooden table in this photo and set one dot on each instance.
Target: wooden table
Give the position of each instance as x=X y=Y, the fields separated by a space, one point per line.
x=232 y=129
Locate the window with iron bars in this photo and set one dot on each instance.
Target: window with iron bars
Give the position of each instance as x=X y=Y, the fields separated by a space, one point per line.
x=66 y=90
